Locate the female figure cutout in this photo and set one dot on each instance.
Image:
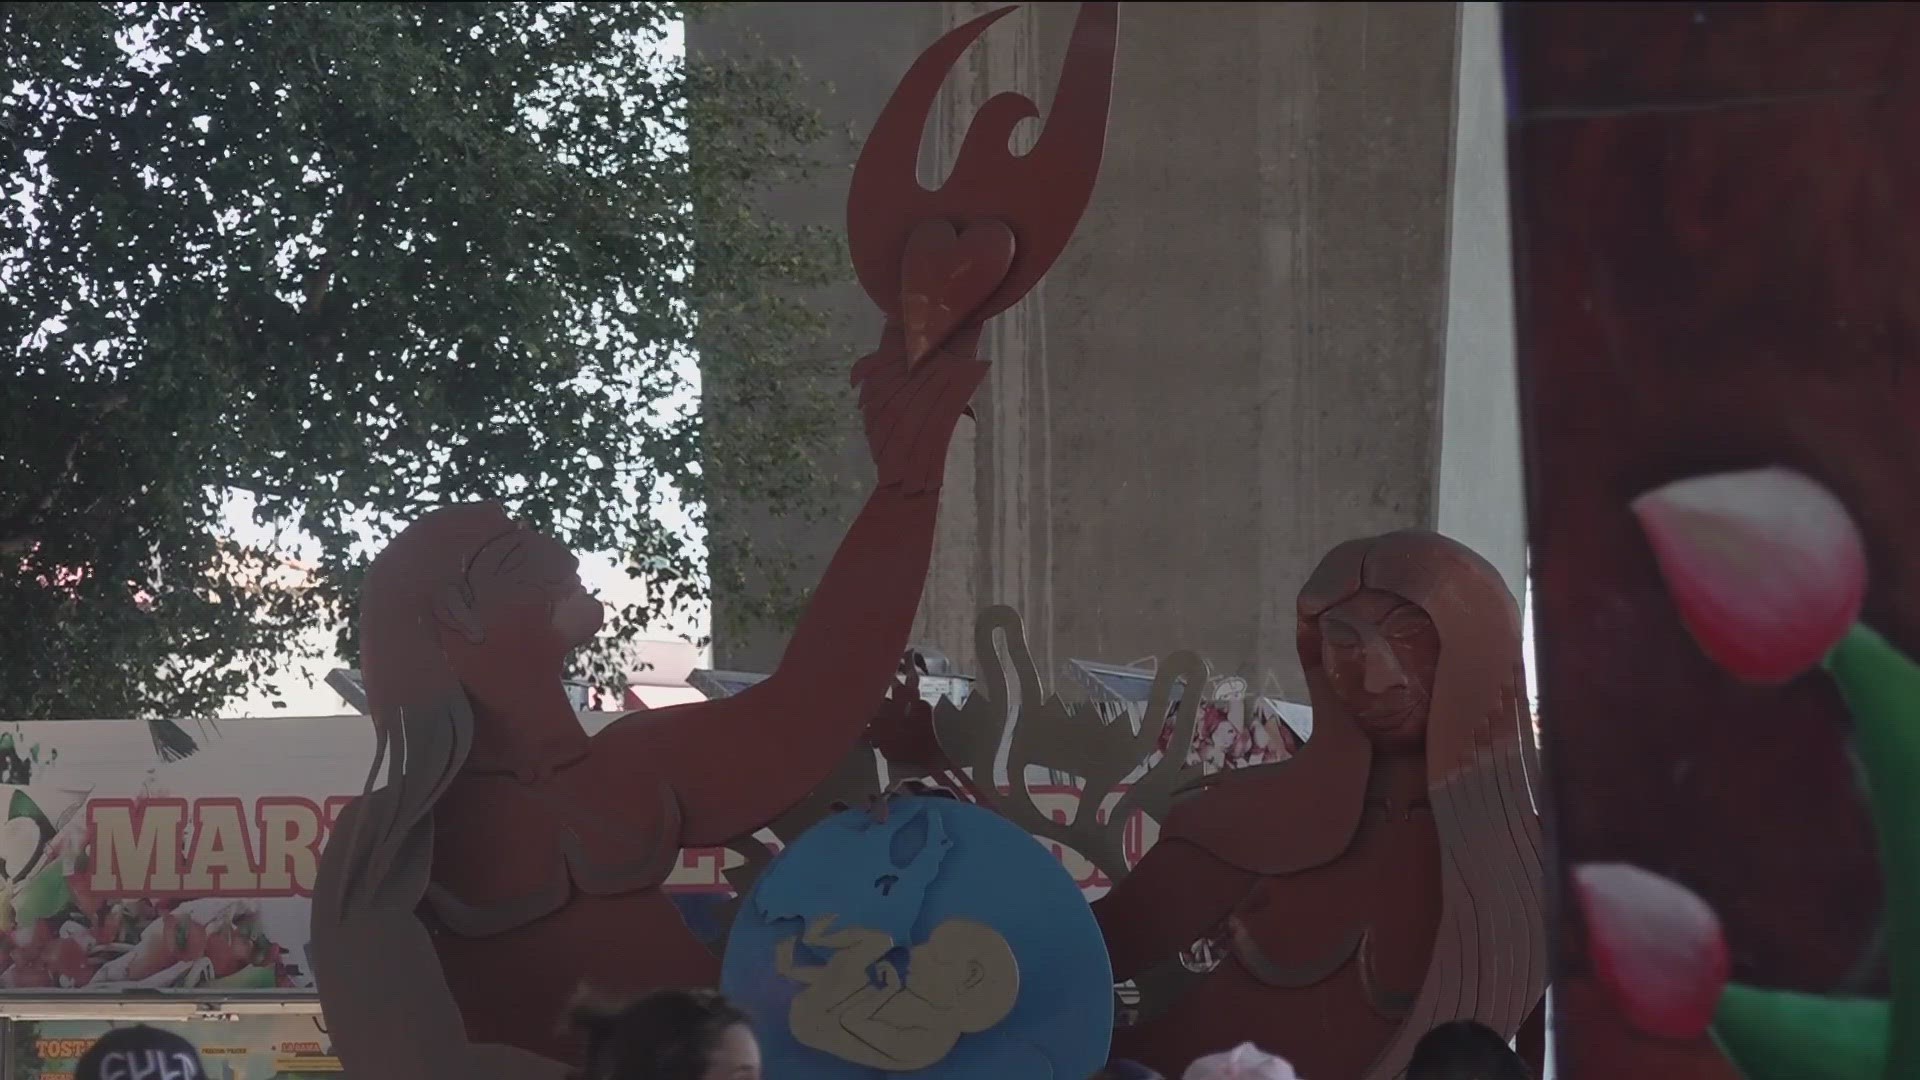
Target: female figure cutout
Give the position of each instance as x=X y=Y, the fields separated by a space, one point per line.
x=1387 y=878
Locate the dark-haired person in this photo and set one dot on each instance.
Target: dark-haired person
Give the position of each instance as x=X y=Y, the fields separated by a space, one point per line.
x=1464 y=1050
x=667 y=1035
x=140 y=1053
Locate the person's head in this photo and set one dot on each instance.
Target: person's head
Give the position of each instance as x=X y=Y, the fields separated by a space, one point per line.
x=667 y=1035
x=140 y=1053
x=969 y=969
x=1464 y=1050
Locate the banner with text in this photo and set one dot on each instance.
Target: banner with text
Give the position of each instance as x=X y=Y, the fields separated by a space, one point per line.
x=259 y=1048
x=120 y=871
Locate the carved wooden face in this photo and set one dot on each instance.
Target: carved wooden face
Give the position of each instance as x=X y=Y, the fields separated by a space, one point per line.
x=523 y=597
x=1380 y=653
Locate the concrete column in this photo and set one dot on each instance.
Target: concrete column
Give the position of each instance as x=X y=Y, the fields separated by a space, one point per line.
x=853 y=54
x=1239 y=361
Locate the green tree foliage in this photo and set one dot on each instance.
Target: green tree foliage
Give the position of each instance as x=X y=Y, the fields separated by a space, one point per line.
x=359 y=260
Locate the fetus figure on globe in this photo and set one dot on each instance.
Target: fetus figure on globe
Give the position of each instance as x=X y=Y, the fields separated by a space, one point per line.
x=962 y=980
x=859 y=1005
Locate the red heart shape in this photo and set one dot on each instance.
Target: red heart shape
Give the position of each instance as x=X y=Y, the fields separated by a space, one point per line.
x=946 y=275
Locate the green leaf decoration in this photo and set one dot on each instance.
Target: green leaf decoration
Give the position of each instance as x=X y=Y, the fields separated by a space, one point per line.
x=254 y=977
x=22 y=805
x=43 y=897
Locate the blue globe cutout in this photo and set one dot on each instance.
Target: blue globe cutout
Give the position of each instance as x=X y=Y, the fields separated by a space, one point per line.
x=929 y=861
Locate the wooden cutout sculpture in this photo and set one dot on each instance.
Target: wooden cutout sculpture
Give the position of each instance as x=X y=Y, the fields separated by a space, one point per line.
x=854 y=782
x=1048 y=733
x=891 y=734
x=961 y=981
x=507 y=858
x=1386 y=879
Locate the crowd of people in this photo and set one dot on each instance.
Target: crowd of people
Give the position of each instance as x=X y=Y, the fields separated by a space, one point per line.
x=700 y=1035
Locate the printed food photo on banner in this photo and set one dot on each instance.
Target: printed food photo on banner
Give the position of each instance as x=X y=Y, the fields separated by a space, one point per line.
x=131 y=873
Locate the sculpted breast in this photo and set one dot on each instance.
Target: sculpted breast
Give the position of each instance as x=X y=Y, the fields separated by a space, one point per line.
x=1379 y=904
x=507 y=852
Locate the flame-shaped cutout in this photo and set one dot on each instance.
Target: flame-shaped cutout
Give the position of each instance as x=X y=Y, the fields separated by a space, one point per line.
x=1039 y=195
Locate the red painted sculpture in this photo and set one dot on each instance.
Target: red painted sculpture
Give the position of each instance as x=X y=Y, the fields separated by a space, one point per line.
x=1385 y=880
x=508 y=858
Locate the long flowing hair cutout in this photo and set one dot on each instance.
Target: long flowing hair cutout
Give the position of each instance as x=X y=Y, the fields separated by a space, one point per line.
x=422 y=719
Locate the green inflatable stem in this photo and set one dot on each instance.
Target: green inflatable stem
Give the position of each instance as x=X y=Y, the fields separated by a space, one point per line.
x=1782 y=1035
x=1882 y=690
